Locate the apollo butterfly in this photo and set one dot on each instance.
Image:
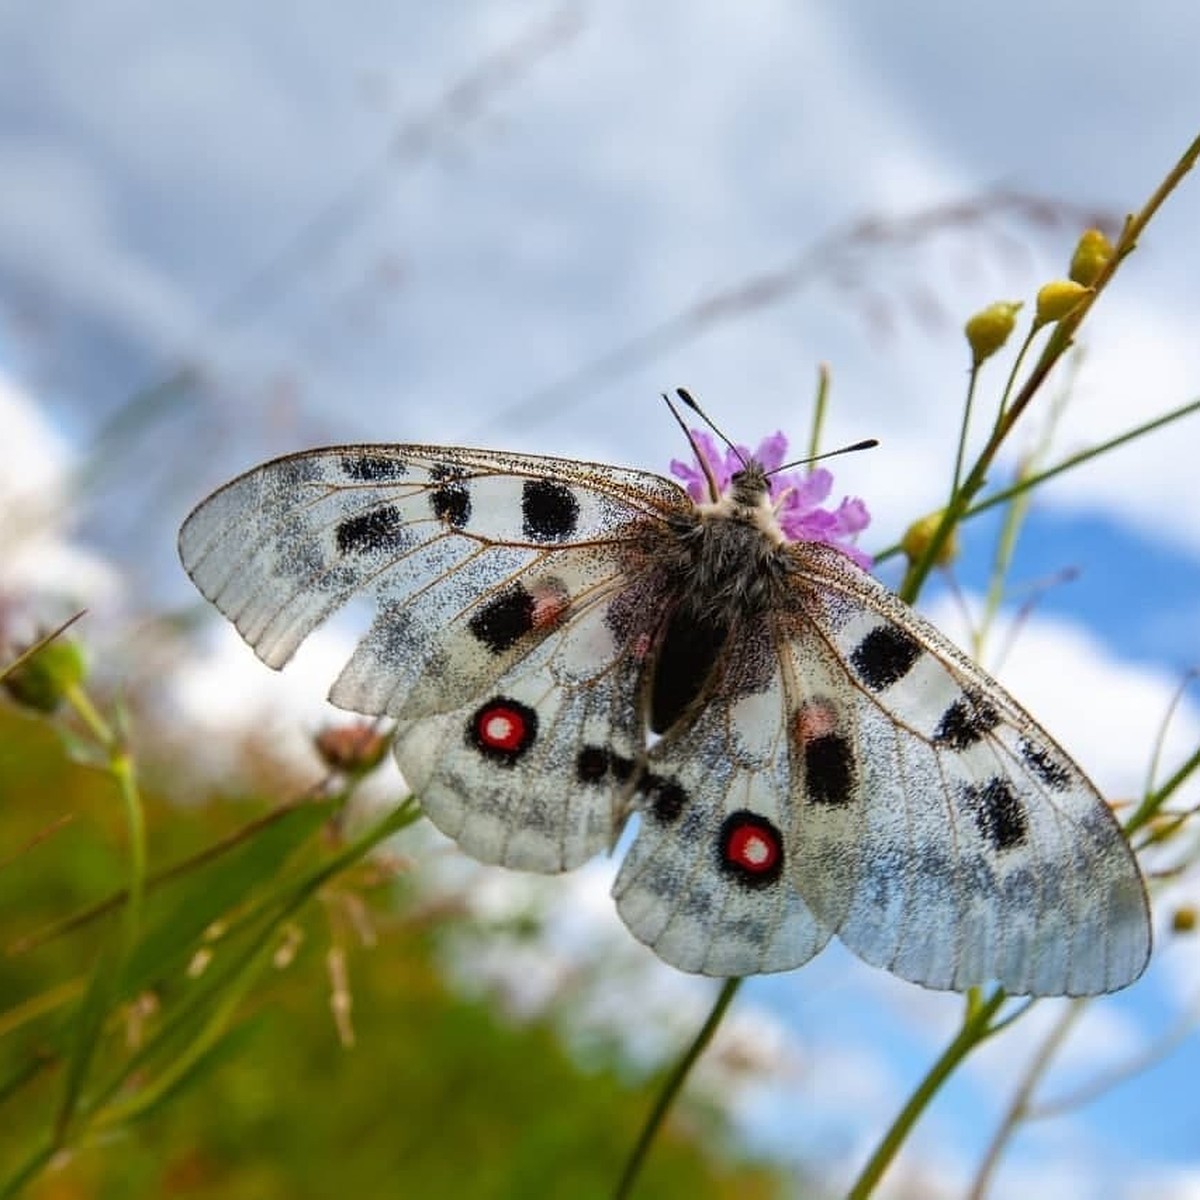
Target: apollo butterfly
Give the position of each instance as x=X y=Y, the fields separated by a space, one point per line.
x=565 y=645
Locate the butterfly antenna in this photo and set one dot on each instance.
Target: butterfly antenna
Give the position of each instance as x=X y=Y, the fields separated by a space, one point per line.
x=713 y=490
x=867 y=444
x=690 y=401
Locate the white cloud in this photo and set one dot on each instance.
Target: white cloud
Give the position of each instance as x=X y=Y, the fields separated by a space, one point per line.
x=1106 y=712
x=42 y=569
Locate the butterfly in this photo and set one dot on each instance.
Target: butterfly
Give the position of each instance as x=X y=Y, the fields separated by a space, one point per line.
x=563 y=645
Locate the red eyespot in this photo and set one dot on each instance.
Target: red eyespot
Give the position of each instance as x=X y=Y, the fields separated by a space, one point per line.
x=502 y=729
x=751 y=849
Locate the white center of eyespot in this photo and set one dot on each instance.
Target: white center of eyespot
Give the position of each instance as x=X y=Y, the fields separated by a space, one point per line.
x=755 y=851
x=498 y=728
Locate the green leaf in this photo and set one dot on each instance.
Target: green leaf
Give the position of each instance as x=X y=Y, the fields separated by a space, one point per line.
x=215 y=891
x=86 y=1030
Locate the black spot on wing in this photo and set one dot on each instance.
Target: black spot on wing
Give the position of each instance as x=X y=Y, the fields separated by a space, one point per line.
x=549 y=510
x=451 y=502
x=666 y=797
x=998 y=813
x=966 y=722
x=372 y=468
x=591 y=764
x=829 y=769
x=451 y=499
x=1054 y=774
x=885 y=656
x=504 y=620
x=377 y=531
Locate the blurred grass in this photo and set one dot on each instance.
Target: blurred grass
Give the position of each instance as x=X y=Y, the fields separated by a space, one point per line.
x=439 y=1095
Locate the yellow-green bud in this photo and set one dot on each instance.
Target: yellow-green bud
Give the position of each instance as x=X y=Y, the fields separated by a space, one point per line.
x=1091 y=256
x=1057 y=299
x=920 y=533
x=1183 y=920
x=990 y=328
x=41 y=682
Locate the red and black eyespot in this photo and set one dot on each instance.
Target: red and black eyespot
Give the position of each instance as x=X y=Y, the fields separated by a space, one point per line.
x=502 y=730
x=750 y=849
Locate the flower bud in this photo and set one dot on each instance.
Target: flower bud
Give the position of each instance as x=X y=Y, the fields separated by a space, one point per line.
x=1183 y=920
x=1057 y=299
x=990 y=328
x=1091 y=256
x=920 y=533
x=42 y=681
x=352 y=749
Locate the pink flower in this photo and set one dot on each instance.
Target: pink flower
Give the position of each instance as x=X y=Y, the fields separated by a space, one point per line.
x=797 y=497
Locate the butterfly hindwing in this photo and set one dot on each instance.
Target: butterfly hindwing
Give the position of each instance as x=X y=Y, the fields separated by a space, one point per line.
x=705 y=882
x=981 y=851
x=533 y=774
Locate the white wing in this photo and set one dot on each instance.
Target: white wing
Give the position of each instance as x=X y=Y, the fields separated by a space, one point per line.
x=951 y=840
x=282 y=547
x=508 y=634
x=705 y=883
x=893 y=794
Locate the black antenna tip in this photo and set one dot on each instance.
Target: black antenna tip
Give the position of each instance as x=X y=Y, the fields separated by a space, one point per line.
x=686 y=397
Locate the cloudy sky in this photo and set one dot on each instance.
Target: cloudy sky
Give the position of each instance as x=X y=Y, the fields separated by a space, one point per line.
x=232 y=230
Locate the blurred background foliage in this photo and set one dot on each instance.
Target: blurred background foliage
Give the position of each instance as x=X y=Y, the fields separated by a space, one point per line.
x=437 y=1094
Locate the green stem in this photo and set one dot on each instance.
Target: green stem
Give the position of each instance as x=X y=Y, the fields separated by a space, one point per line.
x=1018 y=1106
x=1016 y=367
x=671 y=1087
x=964 y=429
x=819 y=408
x=1153 y=801
x=976 y=1027
x=1058 y=343
x=1040 y=477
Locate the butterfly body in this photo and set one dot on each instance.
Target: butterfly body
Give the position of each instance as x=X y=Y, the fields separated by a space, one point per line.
x=563 y=645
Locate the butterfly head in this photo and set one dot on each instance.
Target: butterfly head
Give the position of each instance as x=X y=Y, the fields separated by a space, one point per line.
x=787 y=505
x=750 y=488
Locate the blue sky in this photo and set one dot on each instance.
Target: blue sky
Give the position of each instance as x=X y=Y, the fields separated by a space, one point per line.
x=466 y=209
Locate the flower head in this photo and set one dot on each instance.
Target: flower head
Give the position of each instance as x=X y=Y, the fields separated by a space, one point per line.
x=796 y=495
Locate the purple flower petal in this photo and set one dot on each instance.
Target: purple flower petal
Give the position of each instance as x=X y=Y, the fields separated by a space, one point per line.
x=798 y=497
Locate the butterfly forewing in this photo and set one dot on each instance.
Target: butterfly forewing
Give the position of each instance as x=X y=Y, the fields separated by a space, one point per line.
x=284 y=546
